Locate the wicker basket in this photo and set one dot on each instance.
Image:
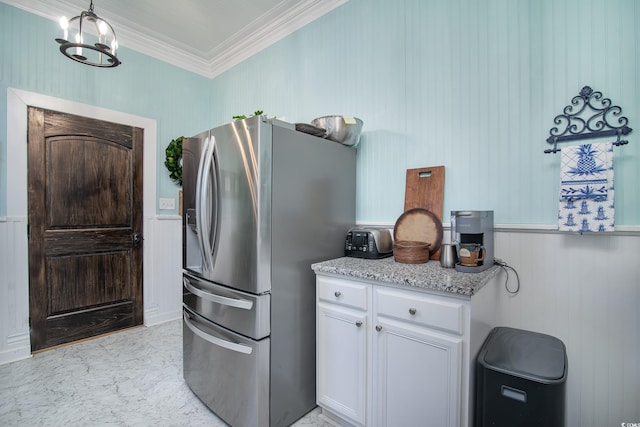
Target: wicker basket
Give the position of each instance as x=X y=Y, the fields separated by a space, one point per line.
x=411 y=252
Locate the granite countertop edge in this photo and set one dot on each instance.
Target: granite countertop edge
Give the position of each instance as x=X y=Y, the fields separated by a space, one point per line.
x=429 y=276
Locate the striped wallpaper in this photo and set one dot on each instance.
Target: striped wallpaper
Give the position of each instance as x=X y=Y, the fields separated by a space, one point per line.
x=469 y=84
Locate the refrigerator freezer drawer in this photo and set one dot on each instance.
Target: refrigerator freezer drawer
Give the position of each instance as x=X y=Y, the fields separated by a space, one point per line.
x=228 y=372
x=247 y=314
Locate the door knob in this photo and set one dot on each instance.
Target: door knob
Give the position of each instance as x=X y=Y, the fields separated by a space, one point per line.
x=136 y=240
x=378 y=328
x=359 y=323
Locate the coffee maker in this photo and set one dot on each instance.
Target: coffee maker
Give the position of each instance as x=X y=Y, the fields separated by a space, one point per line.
x=472 y=235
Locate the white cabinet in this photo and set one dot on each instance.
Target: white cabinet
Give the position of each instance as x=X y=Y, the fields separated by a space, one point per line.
x=416 y=368
x=389 y=356
x=342 y=358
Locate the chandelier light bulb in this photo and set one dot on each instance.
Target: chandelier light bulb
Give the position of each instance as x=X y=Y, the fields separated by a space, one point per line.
x=79 y=41
x=64 y=24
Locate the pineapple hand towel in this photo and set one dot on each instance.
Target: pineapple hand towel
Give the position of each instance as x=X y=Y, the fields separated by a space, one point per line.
x=586 y=188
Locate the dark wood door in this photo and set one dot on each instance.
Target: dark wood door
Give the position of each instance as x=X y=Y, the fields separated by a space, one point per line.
x=85 y=227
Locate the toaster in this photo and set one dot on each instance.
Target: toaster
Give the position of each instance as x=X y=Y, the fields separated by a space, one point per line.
x=368 y=242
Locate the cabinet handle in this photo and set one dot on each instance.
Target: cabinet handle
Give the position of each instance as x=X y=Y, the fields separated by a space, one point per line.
x=337 y=294
x=412 y=311
x=359 y=323
x=378 y=328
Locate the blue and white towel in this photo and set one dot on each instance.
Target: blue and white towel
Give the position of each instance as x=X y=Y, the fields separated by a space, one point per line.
x=586 y=188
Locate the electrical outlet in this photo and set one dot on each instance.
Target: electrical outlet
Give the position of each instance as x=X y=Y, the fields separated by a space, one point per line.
x=167 y=204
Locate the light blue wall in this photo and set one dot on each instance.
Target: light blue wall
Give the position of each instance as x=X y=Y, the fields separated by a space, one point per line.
x=472 y=85
x=469 y=84
x=178 y=100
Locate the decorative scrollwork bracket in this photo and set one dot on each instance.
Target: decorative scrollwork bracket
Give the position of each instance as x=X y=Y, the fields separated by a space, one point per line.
x=589 y=115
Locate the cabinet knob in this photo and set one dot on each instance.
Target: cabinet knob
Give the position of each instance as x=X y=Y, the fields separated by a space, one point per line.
x=378 y=328
x=412 y=311
x=359 y=323
x=337 y=293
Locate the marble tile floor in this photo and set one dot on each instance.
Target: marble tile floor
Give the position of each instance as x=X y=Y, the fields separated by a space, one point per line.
x=130 y=378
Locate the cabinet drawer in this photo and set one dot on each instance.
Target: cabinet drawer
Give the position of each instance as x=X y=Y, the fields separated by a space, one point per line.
x=421 y=309
x=347 y=293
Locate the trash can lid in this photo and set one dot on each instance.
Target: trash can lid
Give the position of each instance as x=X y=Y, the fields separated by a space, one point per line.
x=531 y=354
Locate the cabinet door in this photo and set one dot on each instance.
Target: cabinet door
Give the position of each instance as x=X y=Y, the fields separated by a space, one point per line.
x=342 y=361
x=416 y=375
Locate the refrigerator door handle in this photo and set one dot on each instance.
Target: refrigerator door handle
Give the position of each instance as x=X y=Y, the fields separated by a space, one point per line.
x=231 y=302
x=213 y=203
x=238 y=348
x=203 y=215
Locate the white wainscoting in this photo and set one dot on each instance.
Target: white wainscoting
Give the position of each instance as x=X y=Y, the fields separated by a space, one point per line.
x=14 y=290
x=584 y=290
x=162 y=289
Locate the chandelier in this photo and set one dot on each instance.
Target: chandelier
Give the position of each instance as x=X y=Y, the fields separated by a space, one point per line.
x=94 y=40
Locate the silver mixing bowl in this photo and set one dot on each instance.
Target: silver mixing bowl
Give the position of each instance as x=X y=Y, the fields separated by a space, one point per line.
x=338 y=130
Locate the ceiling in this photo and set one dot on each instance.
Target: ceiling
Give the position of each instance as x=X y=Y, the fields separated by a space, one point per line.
x=206 y=37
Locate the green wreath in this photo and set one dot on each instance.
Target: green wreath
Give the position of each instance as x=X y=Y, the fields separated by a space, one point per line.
x=173 y=160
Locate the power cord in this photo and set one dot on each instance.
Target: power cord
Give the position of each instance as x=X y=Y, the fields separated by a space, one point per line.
x=505 y=267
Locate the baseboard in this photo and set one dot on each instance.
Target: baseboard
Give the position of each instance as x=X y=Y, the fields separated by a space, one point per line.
x=155 y=317
x=18 y=348
x=328 y=417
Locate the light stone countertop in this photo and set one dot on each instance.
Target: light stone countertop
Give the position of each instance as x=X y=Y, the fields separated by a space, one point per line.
x=427 y=277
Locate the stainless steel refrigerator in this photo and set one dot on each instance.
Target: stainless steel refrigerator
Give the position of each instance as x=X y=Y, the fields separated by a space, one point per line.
x=261 y=203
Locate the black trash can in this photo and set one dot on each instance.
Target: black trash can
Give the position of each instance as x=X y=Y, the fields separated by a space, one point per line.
x=520 y=380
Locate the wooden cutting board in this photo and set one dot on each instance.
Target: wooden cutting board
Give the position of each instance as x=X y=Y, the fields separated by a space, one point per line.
x=425 y=189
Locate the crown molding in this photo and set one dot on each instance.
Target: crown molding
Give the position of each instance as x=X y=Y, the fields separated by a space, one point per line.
x=170 y=53
x=281 y=21
x=284 y=19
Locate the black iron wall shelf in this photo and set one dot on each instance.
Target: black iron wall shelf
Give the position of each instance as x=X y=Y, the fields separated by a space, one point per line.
x=588 y=116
